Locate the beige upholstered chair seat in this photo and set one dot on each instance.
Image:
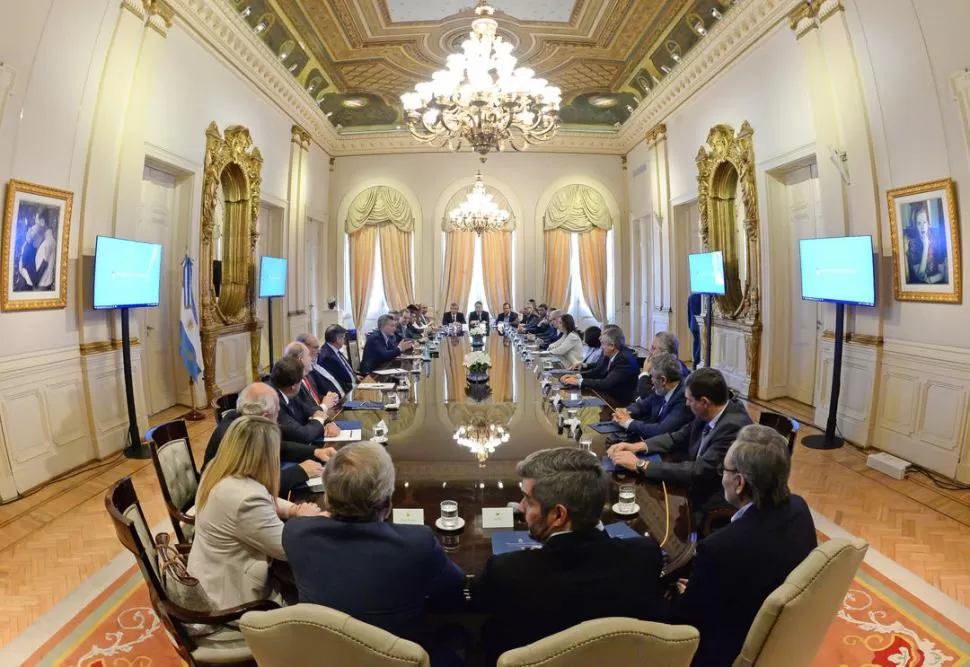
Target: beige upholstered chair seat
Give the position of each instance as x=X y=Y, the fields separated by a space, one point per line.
x=793 y=620
x=606 y=642
x=225 y=646
x=178 y=470
x=311 y=635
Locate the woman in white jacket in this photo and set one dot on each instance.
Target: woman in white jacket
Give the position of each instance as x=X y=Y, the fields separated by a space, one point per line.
x=569 y=347
x=239 y=519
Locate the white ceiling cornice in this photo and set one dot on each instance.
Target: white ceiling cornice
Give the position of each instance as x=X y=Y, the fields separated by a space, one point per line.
x=225 y=32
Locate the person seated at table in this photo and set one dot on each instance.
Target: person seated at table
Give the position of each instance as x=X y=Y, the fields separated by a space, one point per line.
x=616 y=376
x=355 y=560
x=552 y=333
x=698 y=447
x=261 y=400
x=738 y=566
x=381 y=346
x=410 y=331
x=508 y=317
x=297 y=422
x=239 y=516
x=418 y=323
x=539 y=322
x=321 y=391
x=664 y=342
x=453 y=316
x=667 y=411
x=530 y=318
x=398 y=326
x=479 y=316
x=581 y=573
x=332 y=359
x=592 y=351
x=569 y=348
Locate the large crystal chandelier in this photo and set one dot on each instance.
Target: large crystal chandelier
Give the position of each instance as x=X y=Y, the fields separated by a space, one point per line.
x=482 y=99
x=479 y=212
x=481 y=438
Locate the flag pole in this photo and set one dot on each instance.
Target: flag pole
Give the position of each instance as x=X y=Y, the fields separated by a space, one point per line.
x=193 y=415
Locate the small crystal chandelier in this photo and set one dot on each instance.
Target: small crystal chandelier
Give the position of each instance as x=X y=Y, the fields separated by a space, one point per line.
x=482 y=99
x=481 y=438
x=479 y=212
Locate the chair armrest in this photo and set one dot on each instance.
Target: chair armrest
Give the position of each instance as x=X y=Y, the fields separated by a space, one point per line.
x=214 y=617
x=183 y=549
x=184 y=518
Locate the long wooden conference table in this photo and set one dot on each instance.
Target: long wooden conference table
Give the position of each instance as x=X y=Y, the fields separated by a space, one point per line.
x=432 y=466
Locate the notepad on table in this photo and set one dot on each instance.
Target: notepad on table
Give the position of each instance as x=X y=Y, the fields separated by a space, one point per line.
x=390 y=371
x=607 y=427
x=315 y=484
x=363 y=405
x=381 y=386
x=349 y=435
x=344 y=425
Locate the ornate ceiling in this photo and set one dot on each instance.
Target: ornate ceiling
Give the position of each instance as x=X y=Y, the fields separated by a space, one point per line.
x=356 y=57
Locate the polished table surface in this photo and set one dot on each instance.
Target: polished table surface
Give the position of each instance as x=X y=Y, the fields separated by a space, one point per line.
x=431 y=466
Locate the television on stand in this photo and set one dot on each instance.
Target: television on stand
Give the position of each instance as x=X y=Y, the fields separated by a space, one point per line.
x=272 y=284
x=127 y=274
x=839 y=270
x=707 y=277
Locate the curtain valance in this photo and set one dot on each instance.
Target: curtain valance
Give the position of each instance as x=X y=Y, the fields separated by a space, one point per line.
x=378 y=205
x=458 y=198
x=577 y=208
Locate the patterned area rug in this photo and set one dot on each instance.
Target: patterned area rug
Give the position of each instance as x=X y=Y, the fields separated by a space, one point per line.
x=880 y=624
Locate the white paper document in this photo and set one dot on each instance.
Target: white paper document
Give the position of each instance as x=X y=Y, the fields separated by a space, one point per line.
x=410 y=357
x=408 y=516
x=390 y=371
x=497 y=517
x=315 y=483
x=381 y=386
x=347 y=435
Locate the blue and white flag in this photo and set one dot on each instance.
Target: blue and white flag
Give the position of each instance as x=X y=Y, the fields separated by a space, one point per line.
x=190 y=344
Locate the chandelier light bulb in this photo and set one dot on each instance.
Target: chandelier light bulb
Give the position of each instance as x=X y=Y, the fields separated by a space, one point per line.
x=479 y=212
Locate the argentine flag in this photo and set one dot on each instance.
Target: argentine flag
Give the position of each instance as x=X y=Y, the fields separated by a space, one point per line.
x=190 y=344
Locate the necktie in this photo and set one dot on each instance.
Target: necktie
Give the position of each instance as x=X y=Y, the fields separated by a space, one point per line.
x=706 y=432
x=309 y=387
x=350 y=371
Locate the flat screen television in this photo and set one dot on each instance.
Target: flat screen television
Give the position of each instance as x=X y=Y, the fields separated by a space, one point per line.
x=838 y=270
x=272 y=277
x=706 y=272
x=127 y=274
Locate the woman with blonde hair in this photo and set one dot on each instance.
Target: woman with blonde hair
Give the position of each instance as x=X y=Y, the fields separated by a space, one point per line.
x=239 y=519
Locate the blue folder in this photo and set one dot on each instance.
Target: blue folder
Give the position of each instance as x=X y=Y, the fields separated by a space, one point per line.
x=607 y=427
x=506 y=541
x=609 y=466
x=348 y=425
x=363 y=405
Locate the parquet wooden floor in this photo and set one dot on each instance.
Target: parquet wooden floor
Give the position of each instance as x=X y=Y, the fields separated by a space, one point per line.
x=53 y=540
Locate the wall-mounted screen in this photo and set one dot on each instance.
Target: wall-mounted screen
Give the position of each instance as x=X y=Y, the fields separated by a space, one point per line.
x=706 y=273
x=127 y=274
x=272 y=277
x=838 y=270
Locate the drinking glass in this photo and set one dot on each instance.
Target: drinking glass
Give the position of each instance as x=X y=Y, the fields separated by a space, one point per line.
x=628 y=497
x=574 y=396
x=449 y=514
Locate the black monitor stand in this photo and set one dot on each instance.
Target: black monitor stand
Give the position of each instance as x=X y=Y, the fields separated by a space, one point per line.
x=269 y=323
x=829 y=440
x=135 y=448
x=708 y=326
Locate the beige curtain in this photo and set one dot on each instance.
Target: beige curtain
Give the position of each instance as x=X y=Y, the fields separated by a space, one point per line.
x=380 y=204
x=362 y=245
x=557 y=267
x=457 y=278
x=592 y=270
x=577 y=208
x=396 y=265
x=497 y=269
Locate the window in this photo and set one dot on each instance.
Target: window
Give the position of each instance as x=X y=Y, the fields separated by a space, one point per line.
x=576 y=304
x=376 y=302
x=477 y=291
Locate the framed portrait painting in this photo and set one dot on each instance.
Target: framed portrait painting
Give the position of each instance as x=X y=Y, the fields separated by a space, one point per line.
x=925 y=228
x=36 y=233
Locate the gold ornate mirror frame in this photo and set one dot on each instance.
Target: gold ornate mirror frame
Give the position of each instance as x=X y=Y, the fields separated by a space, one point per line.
x=728 y=205
x=230 y=209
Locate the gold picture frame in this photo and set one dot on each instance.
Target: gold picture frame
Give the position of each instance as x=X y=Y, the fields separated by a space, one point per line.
x=925 y=227
x=35 y=247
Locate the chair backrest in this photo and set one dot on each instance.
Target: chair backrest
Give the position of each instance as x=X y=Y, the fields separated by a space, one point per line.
x=135 y=535
x=311 y=635
x=793 y=620
x=785 y=426
x=223 y=404
x=176 y=470
x=609 y=641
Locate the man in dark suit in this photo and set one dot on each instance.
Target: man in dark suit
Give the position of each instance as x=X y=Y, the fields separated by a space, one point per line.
x=410 y=331
x=665 y=411
x=381 y=346
x=616 y=376
x=453 y=316
x=530 y=318
x=357 y=562
x=738 y=566
x=319 y=381
x=581 y=573
x=319 y=391
x=538 y=323
x=698 y=448
x=479 y=315
x=298 y=423
x=261 y=399
x=333 y=360
x=508 y=317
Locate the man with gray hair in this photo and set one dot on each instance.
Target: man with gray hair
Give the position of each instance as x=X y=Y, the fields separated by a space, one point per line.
x=616 y=376
x=382 y=345
x=738 y=566
x=319 y=381
x=354 y=560
x=664 y=342
x=665 y=411
x=580 y=573
x=260 y=399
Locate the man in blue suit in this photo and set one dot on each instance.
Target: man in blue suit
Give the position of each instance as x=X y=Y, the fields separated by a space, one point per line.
x=354 y=560
x=332 y=359
x=616 y=376
x=382 y=346
x=665 y=411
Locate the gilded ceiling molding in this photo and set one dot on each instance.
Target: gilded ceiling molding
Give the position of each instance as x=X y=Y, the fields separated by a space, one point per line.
x=160 y=15
x=300 y=137
x=136 y=7
x=829 y=8
x=656 y=135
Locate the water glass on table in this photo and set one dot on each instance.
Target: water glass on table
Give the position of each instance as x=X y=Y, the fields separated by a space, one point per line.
x=628 y=497
x=449 y=514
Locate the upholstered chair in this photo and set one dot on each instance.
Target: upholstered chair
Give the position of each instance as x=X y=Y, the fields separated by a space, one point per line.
x=177 y=474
